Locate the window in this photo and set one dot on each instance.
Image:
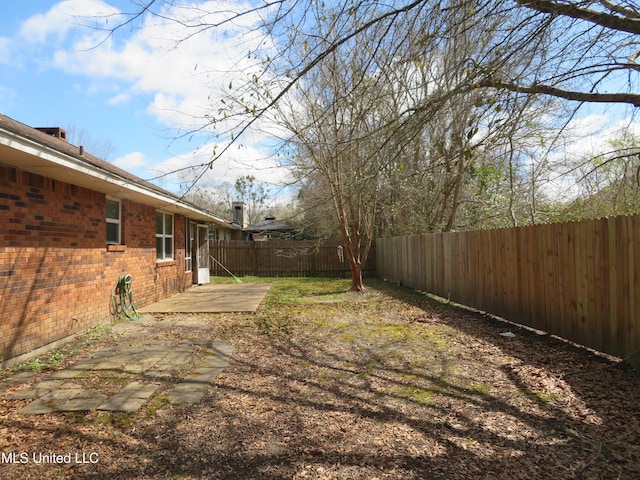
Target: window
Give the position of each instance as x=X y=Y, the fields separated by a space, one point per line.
x=114 y=221
x=214 y=234
x=164 y=236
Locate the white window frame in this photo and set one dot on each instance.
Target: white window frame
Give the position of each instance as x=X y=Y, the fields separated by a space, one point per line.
x=164 y=235
x=115 y=221
x=188 y=247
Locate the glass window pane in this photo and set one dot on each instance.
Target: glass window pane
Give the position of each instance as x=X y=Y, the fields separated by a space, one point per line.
x=113 y=209
x=159 y=254
x=159 y=219
x=112 y=233
x=168 y=224
x=168 y=248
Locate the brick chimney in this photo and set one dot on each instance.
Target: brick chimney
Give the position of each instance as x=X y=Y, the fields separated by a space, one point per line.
x=240 y=214
x=56 y=132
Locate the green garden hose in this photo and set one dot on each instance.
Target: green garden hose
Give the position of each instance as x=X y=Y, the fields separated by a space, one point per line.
x=122 y=299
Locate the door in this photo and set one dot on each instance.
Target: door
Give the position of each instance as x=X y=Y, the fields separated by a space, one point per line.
x=190 y=250
x=203 y=254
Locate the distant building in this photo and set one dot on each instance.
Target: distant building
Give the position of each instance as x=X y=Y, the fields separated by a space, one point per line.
x=269 y=229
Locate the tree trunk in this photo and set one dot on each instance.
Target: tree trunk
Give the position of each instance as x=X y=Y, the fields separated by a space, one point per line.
x=356 y=277
x=352 y=248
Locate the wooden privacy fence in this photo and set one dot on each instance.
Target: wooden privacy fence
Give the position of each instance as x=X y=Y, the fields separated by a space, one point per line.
x=283 y=259
x=577 y=280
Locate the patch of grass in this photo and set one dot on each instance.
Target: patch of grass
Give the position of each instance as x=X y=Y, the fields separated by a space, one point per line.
x=120 y=419
x=421 y=396
x=95 y=333
x=289 y=290
x=274 y=324
x=541 y=396
x=366 y=370
x=388 y=337
x=51 y=361
x=54 y=359
x=479 y=388
x=156 y=404
x=77 y=417
x=325 y=322
x=324 y=377
x=36 y=365
x=283 y=298
x=99 y=330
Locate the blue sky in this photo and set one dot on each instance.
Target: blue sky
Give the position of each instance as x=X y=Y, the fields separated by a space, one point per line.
x=133 y=90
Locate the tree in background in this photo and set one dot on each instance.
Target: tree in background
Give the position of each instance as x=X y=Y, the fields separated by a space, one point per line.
x=608 y=182
x=461 y=158
x=254 y=194
x=214 y=197
x=567 y=49
x=217 y=197
x=100 y=148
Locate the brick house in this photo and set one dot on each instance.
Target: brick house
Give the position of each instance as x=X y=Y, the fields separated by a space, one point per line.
x=70 y=225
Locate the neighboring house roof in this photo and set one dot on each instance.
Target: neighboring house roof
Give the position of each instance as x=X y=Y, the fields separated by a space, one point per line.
x=37 y=152
x=268 y=225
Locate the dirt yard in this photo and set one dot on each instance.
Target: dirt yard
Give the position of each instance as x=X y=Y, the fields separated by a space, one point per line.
x=327 y=384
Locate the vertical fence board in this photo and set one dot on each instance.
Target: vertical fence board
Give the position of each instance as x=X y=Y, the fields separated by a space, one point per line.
x=284 y=258
x=634 y=286
x=578 y=280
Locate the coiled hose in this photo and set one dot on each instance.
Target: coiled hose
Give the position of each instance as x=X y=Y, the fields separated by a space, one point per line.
x=122 y=299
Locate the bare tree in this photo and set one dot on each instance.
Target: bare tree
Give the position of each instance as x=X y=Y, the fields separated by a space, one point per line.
x=216 y=197
x=337 y=122
x=254 y=194
x=573 y=48
x=609 y=180
x=564 y=49
x=100 y=148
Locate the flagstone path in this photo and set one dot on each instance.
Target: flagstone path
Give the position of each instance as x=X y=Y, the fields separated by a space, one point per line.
x=138 y=368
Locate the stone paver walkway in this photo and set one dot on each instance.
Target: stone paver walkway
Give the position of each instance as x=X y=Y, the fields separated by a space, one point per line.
x=136 y=367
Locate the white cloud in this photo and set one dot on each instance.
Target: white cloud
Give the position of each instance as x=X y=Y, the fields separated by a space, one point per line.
x=182 y=170
x=179 y=72
x=131 y=161
x=65 y=17
x=583 y=138
x=182 y=70
x=120 y=98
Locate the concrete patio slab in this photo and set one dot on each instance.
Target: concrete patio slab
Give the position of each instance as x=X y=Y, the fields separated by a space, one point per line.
x=52 y=401
x=17 y=379
x=37 y=390
x=213 y=299
x=202 y=376
x=185 y=393
x=86 y=400
x=130 y=398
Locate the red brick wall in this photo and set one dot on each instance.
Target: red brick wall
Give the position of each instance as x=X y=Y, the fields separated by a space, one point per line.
x=56 y=272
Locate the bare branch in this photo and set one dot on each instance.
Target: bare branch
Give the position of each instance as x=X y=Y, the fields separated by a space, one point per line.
x=624 y=24
x=536 y=89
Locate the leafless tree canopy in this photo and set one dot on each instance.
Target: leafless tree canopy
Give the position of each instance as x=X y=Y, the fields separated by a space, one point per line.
x=581 y=51
x=437 y=104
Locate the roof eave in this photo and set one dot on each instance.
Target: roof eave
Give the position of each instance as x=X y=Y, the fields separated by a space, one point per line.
x=26 y=154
